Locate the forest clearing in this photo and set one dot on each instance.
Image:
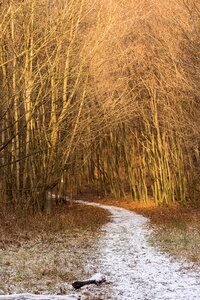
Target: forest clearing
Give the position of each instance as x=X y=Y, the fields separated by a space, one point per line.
x=100 y=101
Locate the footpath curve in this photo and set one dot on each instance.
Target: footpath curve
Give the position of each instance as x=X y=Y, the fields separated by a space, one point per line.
x=135 y=269
x=138 y=270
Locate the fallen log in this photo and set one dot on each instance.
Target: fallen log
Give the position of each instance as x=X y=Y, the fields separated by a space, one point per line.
x=96 y=279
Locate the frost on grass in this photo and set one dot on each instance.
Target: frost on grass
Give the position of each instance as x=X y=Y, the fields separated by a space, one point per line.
x=120 y=250
x=49 y=261
x=46 y=264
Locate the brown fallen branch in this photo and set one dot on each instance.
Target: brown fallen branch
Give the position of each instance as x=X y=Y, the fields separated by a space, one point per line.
x=97 y=279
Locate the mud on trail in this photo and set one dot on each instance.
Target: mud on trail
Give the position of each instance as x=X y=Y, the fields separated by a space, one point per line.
x=134 y=268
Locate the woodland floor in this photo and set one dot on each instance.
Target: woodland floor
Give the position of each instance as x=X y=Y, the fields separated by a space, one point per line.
x=45 y=254
x=176 y=229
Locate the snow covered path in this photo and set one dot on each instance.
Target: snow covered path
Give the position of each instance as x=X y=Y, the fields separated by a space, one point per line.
x=135 y=268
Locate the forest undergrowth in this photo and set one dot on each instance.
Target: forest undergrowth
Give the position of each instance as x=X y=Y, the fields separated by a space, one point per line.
x=104 y=93
x=101 y=95
x=15 y=228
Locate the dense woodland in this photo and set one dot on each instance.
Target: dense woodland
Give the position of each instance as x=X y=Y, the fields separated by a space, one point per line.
x=99 y=94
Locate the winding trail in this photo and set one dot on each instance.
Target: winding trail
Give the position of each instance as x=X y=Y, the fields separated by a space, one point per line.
x=135 y=268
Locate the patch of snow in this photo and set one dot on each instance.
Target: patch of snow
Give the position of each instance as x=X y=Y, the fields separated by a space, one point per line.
x=98 y=277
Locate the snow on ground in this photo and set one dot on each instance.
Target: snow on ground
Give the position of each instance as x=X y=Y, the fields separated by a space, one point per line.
x=135 y=269
x=38 y=297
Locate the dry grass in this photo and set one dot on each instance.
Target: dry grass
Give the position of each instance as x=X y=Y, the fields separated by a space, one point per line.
x=16 y=228
x=176 y=229
x=45 y=254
